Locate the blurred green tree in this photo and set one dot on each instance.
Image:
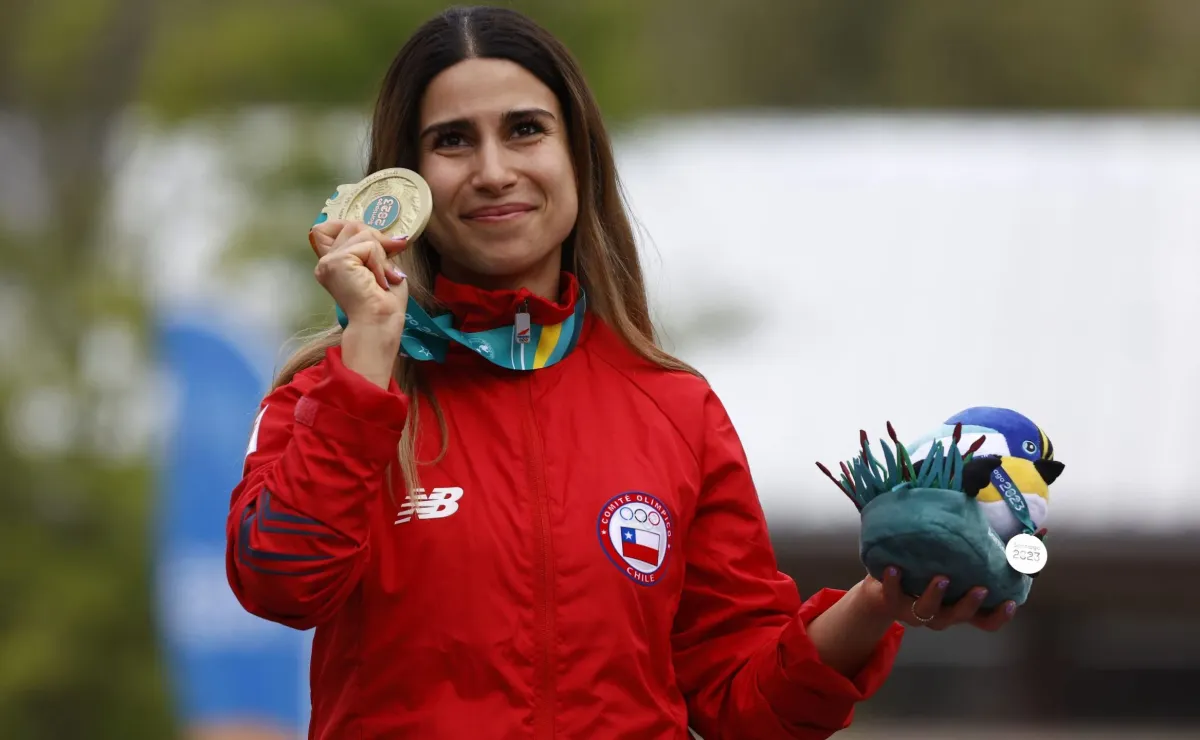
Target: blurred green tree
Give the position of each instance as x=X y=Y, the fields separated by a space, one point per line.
x=76 y=630
x=1070 y=55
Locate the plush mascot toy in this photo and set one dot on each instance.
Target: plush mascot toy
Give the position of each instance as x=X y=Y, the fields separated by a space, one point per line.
x=975 y=516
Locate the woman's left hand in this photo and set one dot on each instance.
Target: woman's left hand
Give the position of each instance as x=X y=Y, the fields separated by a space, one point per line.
x=928 y=610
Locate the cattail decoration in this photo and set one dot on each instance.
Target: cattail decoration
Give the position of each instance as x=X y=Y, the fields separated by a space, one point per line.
x=864 y=478
x=975 y=447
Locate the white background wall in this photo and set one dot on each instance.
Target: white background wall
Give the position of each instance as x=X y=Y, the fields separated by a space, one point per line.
x=905 y=268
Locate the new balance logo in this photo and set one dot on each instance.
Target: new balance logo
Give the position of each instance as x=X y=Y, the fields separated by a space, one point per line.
x=437 y=504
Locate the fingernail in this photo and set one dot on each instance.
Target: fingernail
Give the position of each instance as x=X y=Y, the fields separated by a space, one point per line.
x=942 y=584
x=397 y=274
x=401 y=238
x=980 y=595
x=1012 y=607
x=891 y=572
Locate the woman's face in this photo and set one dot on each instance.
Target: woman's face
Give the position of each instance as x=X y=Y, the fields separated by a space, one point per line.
x=495 y=152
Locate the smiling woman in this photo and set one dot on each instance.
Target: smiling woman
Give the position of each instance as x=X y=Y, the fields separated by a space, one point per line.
x=495 y=153
x=581 y=551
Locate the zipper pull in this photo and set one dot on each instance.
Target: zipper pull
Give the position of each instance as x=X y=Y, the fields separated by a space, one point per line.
x=521 y=330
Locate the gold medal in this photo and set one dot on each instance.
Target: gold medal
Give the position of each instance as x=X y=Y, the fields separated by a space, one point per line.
x=395 y=201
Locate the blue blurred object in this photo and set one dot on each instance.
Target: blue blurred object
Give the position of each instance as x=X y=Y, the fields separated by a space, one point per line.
x=226 y=665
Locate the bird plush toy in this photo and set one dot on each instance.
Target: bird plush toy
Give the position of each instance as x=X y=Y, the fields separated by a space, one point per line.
x=975 y=516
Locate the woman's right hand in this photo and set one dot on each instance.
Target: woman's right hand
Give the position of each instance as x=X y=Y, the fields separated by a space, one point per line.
x=353 y=267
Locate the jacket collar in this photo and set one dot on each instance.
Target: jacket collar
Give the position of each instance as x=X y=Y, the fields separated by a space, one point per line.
x=476 y=309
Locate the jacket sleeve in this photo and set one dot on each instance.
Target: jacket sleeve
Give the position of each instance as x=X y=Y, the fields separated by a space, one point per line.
x=743 y=658
x=297 y=533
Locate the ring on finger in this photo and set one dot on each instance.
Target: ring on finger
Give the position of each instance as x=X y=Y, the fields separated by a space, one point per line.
x=918 y=617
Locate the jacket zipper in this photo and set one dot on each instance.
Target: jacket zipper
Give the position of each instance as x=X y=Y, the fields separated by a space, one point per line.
x=543 y=587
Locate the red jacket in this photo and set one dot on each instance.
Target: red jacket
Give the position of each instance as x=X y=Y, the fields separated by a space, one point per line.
x=588 y=560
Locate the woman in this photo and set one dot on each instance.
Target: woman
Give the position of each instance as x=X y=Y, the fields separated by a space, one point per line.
x=581 y=551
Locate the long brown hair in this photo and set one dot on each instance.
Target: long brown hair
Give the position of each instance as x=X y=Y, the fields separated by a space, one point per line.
x=601 y=250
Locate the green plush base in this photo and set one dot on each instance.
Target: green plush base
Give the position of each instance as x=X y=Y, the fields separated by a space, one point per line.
x=926 y=532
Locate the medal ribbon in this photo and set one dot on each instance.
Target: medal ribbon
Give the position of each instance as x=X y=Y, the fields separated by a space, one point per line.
x=1012 y=496
x=520 y=346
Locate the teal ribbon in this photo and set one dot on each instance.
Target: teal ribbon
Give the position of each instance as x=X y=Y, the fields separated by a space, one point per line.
x=427 y=338
x=1013 y=498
